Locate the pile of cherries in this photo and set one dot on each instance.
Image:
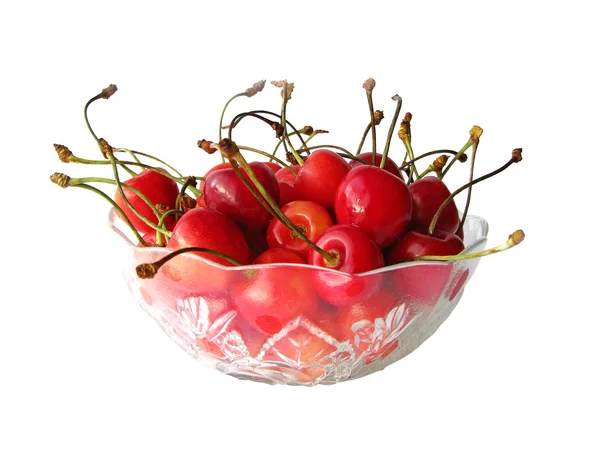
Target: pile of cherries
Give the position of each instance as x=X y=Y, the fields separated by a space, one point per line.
x=325 y=206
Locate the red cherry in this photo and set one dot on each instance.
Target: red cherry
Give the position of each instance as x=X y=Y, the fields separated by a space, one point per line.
x=310 y=217
x=423 y=283
x=376 y=202
x=273 y=166
x=287 y=193
x=208 y=229
x=390 y=165
x=279 y=255
x=159 y=189
x=221 y=166
x=226 y=193
x=356 y=253
x=320 y=176
x=375 y=308
x=428 y=194
x=284 y=174
x=253 y=339
x=269 y=298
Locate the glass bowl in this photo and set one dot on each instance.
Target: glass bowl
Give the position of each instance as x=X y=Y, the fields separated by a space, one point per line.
x=270 y=323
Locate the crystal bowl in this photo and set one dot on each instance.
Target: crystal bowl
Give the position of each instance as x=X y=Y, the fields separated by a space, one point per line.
x=269 y=322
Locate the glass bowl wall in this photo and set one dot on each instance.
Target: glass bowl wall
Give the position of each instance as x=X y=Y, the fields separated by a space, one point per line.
x=270 y=323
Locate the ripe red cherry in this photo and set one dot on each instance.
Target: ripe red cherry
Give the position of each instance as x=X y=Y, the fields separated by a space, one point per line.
x=375 y=201
x=375 y=308
x=390 y=165
x=287 y=193
x=310 y=217
x=423 y=283
x=428 y=194
x=159 y=189
x=208 y=229
x=273 y=166
x=320 y=176
x=284 y=174
x=269 y=298
x=279 y=255
x=356 y=253
x=226 y=193
x=221 y=166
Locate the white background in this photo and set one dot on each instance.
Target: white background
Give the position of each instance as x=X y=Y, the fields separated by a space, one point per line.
x=82 y=367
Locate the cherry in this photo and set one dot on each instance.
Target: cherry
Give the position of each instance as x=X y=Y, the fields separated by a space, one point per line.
x=269 y=298
x=252 y=338
x=390 y=165
x=284 y=174
x=310 y=217
x=207 y=229
x=220 y=166
x=376 y=202
x=320 y=176
x=353 y=252
x=279 y=255
x=226 y=193
x=158 y=188
x=423 y=283
x=273 y=166
x=375 y=308
x=287 y=193
x=428 y=194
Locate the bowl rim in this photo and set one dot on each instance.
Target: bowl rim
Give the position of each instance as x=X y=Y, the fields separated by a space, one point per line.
x=114 y=221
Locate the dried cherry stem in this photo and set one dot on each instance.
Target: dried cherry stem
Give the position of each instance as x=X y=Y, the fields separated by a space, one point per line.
x=514 y=239
x=286 y=95
x=239 y=117
x=65 y=181
x=268 y=155
x=66 y=156
x=250 y=92
x=369 y=85
x=148 y=270
x=437 y=166
x=190 y=182
x=468 y=202
x=378 y=118
x=311 y=134
x=463 y=158
x=388 y=141
x=406 y=137
x=474 y=135
x=515 y=158
x=105 y=94
x=231 y=151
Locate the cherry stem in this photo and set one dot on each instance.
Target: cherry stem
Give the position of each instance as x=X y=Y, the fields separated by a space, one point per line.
x=128 y=203
x=268 y=155
x=474 y=135
x=373 y=124
x=406 y=137
x=161 y=221
x=148 y=270
x=190 y=183
x=516 y=157
x=135 y=152
x=273 y=208
x=117 y=208
x=433 y=152
x=78 y=160
x=388 y=141
x=364 y=137
x=468 y=202
x=286 y=137
x=346 y=153
x=514 y=239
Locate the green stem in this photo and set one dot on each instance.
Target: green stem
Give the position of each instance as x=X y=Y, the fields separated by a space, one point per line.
x=373 y=126
x=135 y=152
x=117 y=207
x=148 y=270
x=391 y=130
x=272 y=157
x=456 y=156
x=424 y=155
x=362 y=140
x=435 y=218
x=468 y=203
x=514 y=239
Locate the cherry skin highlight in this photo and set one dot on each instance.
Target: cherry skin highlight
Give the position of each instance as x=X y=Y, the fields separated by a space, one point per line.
x=320 y=176
x=375 y=201
x=226 y=193
x=312 y=218
x=428 y=194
